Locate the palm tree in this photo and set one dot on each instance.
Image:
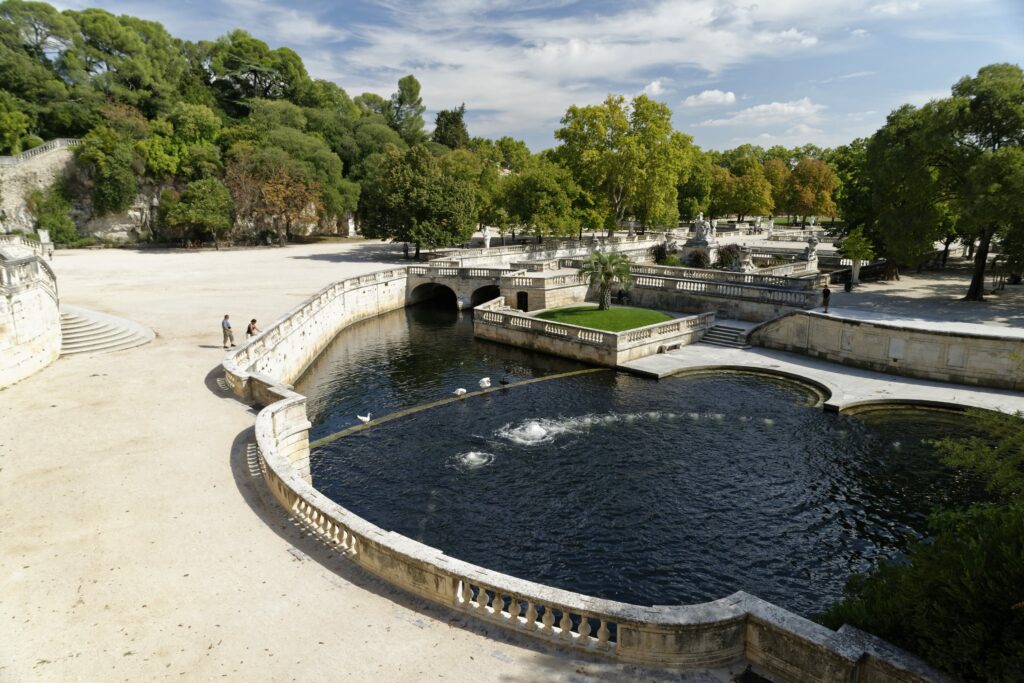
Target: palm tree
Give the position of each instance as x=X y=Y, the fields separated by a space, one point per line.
x=604 y=270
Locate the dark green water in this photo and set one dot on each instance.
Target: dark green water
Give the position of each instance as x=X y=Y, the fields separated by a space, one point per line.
x=668 y=492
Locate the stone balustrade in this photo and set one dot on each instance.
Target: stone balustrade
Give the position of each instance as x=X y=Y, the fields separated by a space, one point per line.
x=456 y=271
x=497 y=322
x=57 y=143
x=734 y=629
x=765 y=295
x=758 y=279
x=30 y=336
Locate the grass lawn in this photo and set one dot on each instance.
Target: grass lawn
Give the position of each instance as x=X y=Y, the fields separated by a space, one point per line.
x=615 y=319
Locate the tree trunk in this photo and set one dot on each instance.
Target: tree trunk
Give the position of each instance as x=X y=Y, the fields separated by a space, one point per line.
x=945 y=250
x=417 y=256
x=976 y=292
x=606 y=299
x=855 y=275
x=892 y=270
x=970 y=248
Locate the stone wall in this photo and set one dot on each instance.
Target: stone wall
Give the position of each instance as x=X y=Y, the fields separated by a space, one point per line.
x=955 y=356
x=29 y=318
x=724 y=299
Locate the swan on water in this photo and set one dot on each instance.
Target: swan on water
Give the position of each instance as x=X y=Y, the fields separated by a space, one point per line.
x=485 y=383
x=459 y=392
x=364 y=418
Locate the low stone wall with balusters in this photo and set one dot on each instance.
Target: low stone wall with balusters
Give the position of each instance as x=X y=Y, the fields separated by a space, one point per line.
x=725 y=299
x=497 y=322
x=736 y=629
x=29 y=318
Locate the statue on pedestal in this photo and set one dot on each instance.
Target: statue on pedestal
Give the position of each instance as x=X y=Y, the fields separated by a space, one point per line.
x=811 y=250
x=487 y=237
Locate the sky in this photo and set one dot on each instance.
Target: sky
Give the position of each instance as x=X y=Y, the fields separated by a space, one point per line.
x=786 y=72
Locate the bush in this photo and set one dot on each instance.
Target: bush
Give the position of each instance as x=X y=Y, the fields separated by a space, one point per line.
x=958 y=600
x=672 y=260
x=699 y=258
x=52 y=211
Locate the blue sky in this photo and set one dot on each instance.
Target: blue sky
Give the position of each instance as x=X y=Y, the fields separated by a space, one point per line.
x=733 y=71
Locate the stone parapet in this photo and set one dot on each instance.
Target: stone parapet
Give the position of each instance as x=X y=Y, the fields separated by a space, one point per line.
x=497 y=322
x=975 y=355
x=30 y=336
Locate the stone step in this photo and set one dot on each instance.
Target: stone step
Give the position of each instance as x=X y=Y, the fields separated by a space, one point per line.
x=85 y=331
x=725 y=336
x=111 y=337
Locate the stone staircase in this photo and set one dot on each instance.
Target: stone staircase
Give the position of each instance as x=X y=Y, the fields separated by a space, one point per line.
x=86 y=331
x=725 y=335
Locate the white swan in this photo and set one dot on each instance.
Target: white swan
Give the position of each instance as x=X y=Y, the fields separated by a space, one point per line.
x=459 y=392
x=485 y=383
x=364 y=418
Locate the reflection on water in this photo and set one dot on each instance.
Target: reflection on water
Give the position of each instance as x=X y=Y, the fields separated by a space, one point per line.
x=406 y=358
x=651 y=492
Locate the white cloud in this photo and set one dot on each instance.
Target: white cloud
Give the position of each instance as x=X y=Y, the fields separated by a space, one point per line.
x=709 y=98
x=894 y=8
x=654 y=88
x=773 y=113
x=845 y=77
x=858 y=33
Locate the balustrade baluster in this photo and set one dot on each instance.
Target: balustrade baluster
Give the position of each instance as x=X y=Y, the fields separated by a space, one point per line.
x=548 y=620
x=584 y=630
x=497 y=604
x=603 y=634
x=566 y=625
x=531 y=615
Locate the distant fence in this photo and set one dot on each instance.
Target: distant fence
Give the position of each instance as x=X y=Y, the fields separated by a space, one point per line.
x=57 y=143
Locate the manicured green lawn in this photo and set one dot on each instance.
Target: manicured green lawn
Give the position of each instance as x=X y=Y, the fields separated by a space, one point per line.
x=615 y=319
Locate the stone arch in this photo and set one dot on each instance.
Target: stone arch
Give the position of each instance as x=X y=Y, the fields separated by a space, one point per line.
x=523 y=301
x=484 y=294
x=434 y=293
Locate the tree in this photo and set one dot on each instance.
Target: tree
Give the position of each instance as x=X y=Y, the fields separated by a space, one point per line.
x=986 y=169
x=853 y=194
x=603 y=270
x=245 y=68
x=289 y=198
x=205 y=206
x=694 y=192
x=109 y=158
x=751 y=193
x=857 y=247
x=411 y=199
x=41 y=29
x=540 y=199
x=777 y=173
x=721 y=200
x=450 y=128
x=811 y=185
x=599 y=151
x=404 y=111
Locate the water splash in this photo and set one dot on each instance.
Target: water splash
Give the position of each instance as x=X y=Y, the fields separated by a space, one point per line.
x=474 y=460
x=535 y=432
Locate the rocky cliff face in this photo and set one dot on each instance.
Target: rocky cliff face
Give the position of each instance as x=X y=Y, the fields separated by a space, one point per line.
x=19 y=180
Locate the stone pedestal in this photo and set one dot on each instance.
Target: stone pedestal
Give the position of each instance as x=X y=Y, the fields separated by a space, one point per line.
x=693 y=245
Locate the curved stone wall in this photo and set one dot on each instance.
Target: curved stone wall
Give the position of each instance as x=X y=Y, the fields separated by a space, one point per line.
x=29 y=318
x=736 y=628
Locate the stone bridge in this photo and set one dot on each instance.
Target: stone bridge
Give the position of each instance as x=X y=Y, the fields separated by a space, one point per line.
x=466 y=287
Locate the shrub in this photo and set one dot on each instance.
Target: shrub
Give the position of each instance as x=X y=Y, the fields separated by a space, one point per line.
x=672 y=260
x=52 y=211
x=699 y=258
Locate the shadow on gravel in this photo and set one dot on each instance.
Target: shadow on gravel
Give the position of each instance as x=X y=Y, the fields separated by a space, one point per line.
x=363 y=253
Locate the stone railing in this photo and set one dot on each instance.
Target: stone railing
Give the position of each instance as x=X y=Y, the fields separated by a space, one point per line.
x=21 y=241
x=58 y=143
x=792 y=268
x=765 y=295
x=525 y=280
x=26 y=272
x=450 y=271
x=497 y=322
x=734 y=629
x=550 y=249
x=757 y=279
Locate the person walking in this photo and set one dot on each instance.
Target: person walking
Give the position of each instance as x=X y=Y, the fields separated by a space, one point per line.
x=252 y=330
x=826 y=295
x=229 y=336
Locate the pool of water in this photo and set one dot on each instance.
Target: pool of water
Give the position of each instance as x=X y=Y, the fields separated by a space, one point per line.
x=668 y=492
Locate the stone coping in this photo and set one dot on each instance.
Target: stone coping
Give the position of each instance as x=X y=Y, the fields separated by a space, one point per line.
x=689 y=636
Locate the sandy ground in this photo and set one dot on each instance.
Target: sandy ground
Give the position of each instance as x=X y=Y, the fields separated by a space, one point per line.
x=135 y=542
